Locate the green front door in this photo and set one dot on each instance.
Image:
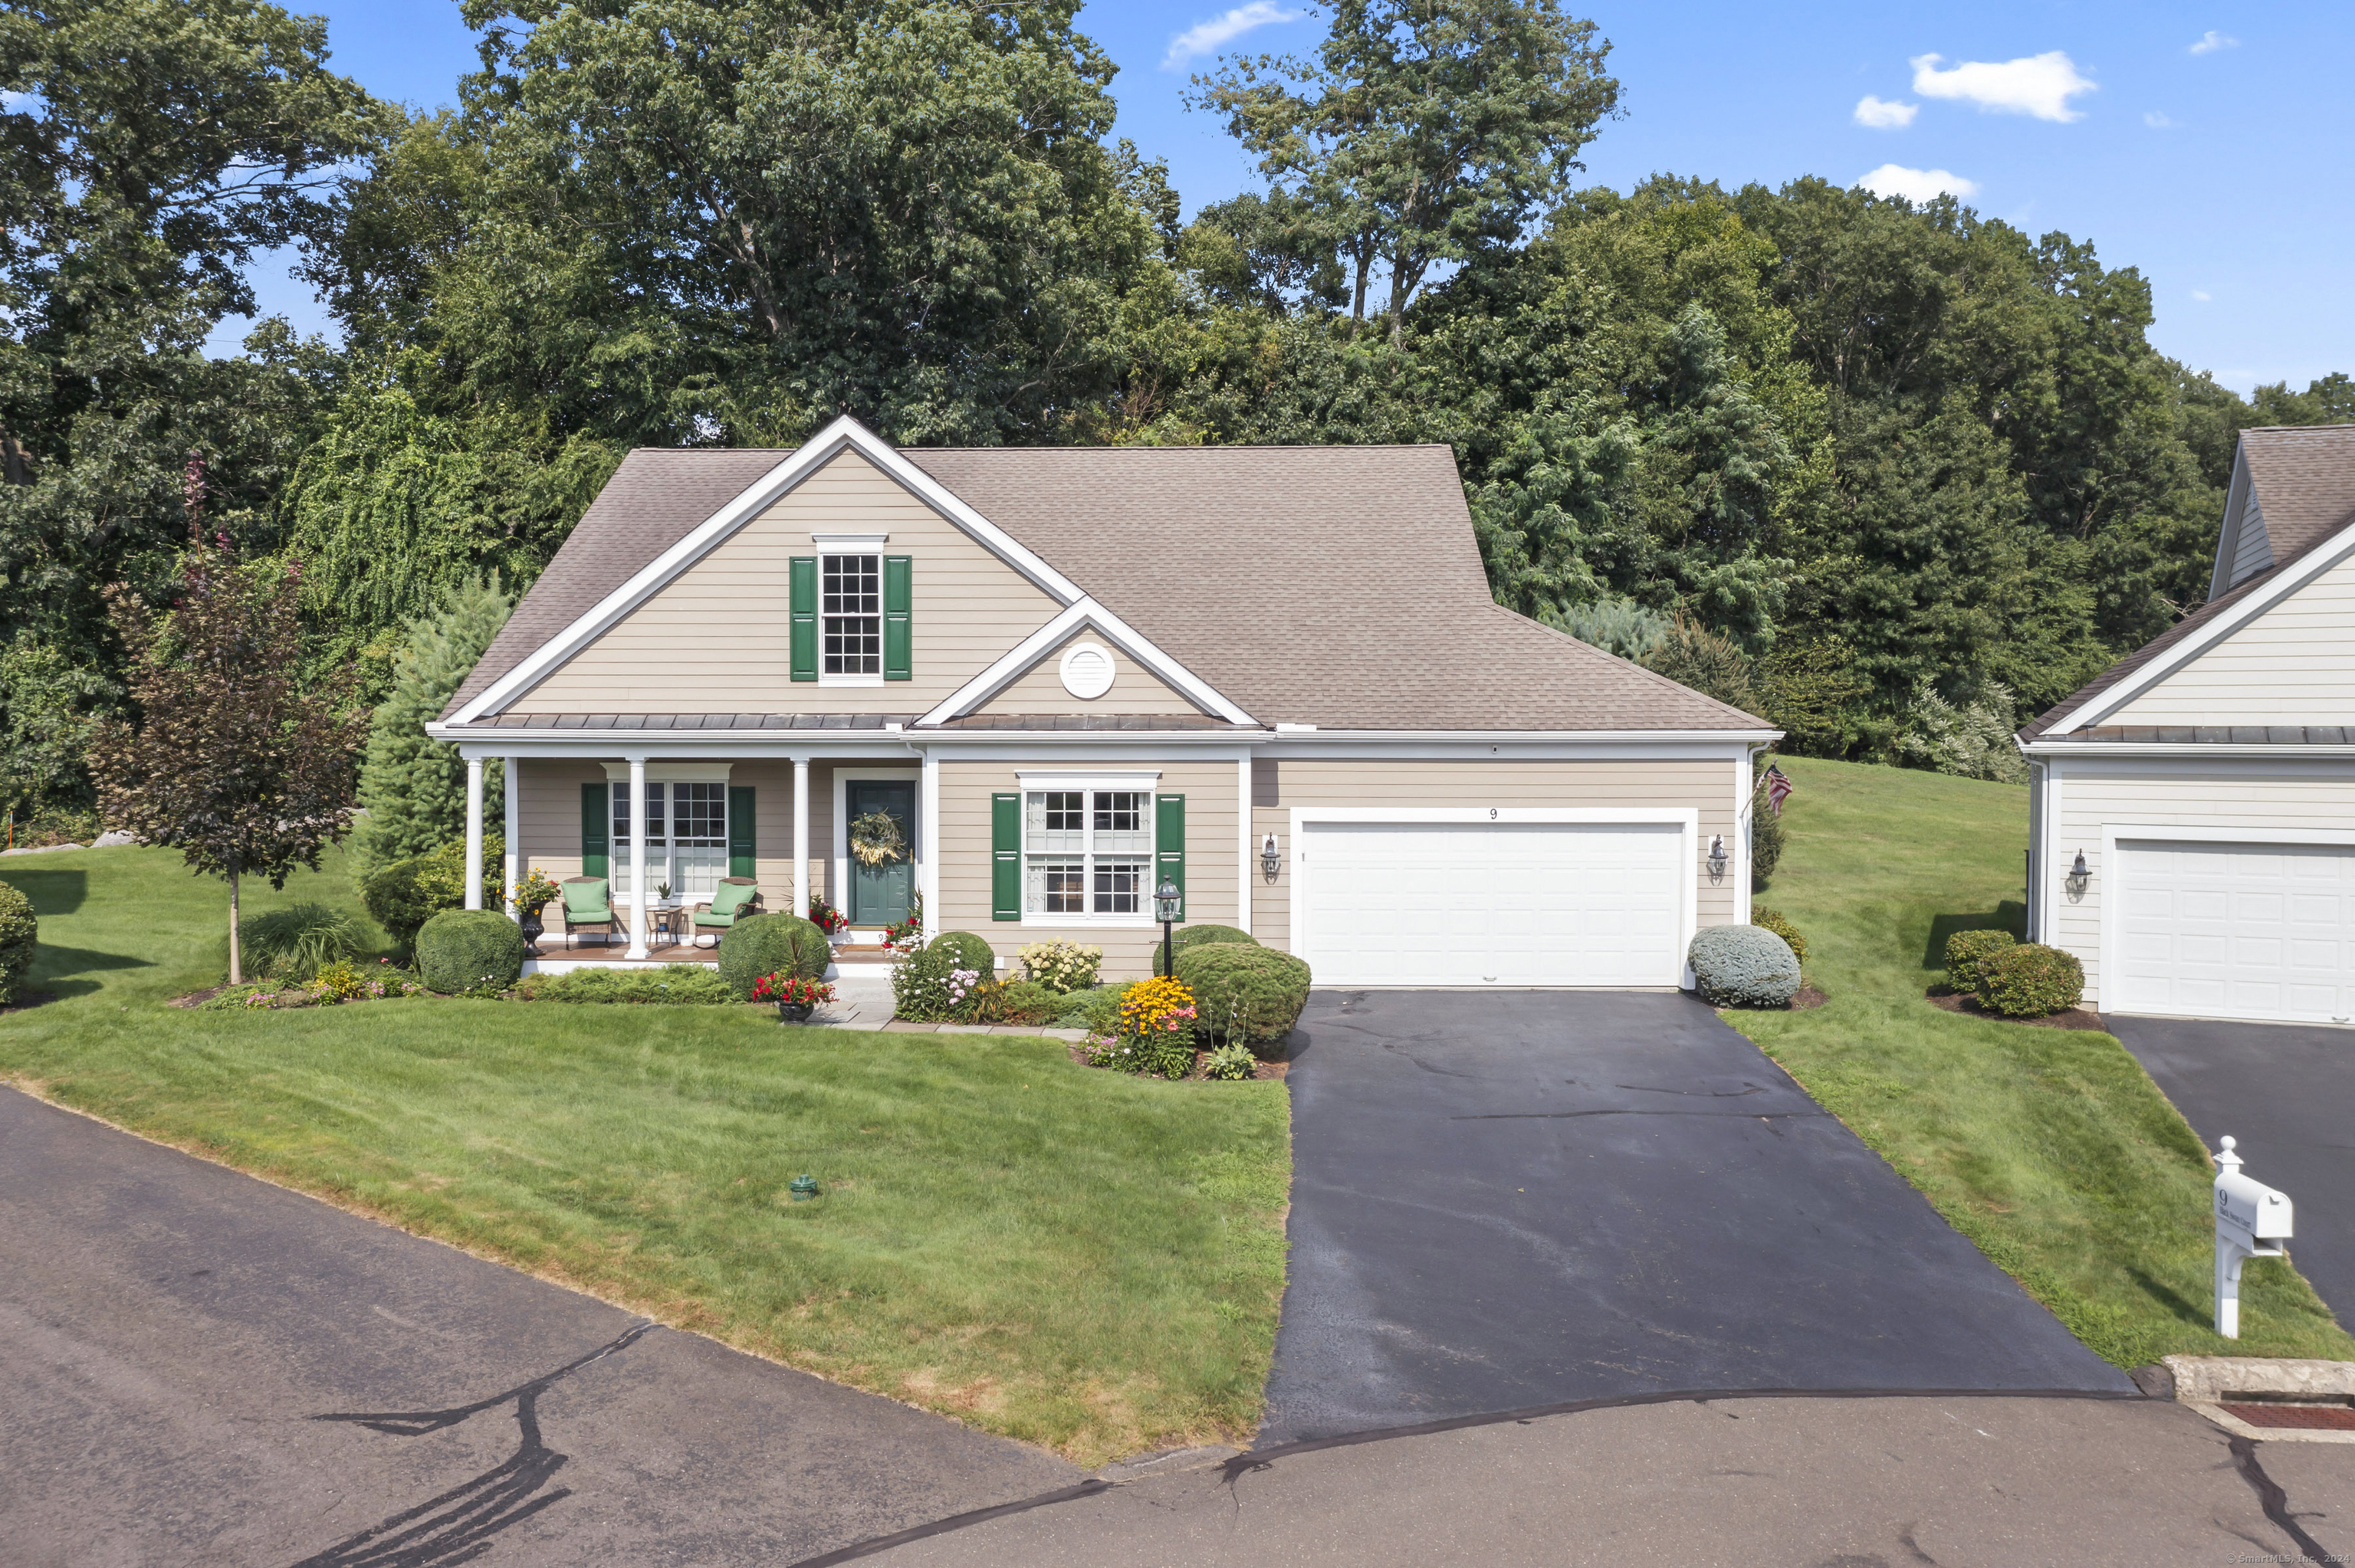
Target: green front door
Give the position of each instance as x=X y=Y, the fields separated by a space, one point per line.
x=879 y=894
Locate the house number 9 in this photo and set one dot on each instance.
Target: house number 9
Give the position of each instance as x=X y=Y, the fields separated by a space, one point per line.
x=1492 y=813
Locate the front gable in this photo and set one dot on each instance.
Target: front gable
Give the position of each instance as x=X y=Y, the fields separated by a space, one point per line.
x=2292 y=663
x=717 y=638
x=1131 y=688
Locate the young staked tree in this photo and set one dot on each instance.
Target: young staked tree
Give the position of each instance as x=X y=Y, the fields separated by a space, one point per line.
x=232 y=762
x=1427 y=130
x=415 y=786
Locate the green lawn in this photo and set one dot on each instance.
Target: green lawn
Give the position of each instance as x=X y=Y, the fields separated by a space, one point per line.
x=1081 y=1259
x=2051 y=1148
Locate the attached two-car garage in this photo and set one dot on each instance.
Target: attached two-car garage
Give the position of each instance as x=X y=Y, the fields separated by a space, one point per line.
x=2262 y=931
x=1501 y=902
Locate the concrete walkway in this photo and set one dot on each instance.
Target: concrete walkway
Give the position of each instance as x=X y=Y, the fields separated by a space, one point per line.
x=202 y=1369
x=1516 y=1199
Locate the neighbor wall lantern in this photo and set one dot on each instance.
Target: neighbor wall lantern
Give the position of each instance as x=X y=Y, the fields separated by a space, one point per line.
x=2079 y=876
x=1717 y=856
x=1270 y=861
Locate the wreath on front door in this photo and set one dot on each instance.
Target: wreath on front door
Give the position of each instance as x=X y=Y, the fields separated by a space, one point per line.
x=876 y=839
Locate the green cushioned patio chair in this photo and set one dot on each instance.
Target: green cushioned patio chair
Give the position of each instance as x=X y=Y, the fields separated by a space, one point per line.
x=587 y=907
x=731 y=900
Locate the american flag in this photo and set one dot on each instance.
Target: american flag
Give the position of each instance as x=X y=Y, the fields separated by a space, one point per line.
x=1778 y=785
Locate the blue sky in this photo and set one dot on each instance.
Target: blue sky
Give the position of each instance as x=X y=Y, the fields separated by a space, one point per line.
x=2207 y=144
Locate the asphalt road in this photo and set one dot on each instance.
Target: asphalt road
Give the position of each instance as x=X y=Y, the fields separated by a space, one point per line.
x=1504 y=1200
x=198 y=1368
x=1825 y=1483
x=2286 y=1093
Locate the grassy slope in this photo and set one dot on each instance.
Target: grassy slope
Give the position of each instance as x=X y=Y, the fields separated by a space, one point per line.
x=1074 y=1257
x=2049 y=1148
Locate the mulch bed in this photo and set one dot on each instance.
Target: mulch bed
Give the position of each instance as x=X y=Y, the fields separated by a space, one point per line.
x=1809 y=996
x=1959 y=1001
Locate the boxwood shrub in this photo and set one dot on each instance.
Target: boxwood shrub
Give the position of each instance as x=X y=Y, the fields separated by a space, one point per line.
x=19 y=933
x=469 y=949
x=1743 y=965
x=1243 y=993
x=969 y=951
x=671 y=985
x=1967 y=953
x=770 y=944
x=2030 y=981
x=1775 y=921
x=1187 y=937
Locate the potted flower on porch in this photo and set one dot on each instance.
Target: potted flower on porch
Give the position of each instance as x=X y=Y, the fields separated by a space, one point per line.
x=533 y=894
x=795 y=998
x=826 y=918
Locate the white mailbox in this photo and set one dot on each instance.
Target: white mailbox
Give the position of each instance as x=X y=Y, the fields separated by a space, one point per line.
x=2252 y=1220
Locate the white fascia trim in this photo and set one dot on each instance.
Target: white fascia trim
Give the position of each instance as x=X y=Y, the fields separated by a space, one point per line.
x=1307 y=735
x=2095 y=750
x=845 y=433
x=1083 y=612
x=2103 y=703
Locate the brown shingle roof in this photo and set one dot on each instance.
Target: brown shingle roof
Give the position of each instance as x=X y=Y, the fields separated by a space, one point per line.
x=2305 y=480
x=1333 y=586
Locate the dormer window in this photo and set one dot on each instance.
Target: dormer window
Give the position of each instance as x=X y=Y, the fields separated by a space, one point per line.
x=851 y=624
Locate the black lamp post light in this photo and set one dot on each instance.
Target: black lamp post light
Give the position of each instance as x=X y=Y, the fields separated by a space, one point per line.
x=1166 y=900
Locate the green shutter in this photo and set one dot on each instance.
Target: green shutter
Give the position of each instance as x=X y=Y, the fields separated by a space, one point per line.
x=803 y=576
x=898 y=593
x=1170 y=844
x=740 y=832
x=1006 y=857
x=596 y=827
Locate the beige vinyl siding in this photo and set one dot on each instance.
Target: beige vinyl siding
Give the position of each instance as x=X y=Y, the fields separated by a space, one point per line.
x=1211 y=792
x=717 y=639
x=1134 y=689
x=2317 y=797
x=2294 y=664
x=549 y=804
x=1280 y=785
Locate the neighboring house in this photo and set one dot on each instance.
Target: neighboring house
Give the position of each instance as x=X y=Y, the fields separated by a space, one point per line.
x=1274 y=675
x=2208 y=780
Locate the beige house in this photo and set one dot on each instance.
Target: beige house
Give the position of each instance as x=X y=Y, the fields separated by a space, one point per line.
x=2193 y=810
x=1273 y=675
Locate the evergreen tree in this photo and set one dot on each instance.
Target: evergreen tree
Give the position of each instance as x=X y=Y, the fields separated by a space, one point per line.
x=414 y=787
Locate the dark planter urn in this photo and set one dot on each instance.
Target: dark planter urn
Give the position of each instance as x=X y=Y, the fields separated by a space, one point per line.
x=796 y=1011
x=532 y=931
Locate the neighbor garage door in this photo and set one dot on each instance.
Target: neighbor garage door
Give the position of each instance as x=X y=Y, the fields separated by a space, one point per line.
x=2209 y=930
x=1520 y=904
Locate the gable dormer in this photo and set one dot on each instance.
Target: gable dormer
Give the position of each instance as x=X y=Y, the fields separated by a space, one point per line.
x=2292 y=486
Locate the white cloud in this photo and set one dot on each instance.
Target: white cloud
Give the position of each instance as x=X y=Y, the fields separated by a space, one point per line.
x=1883 y=115
x=2212 y=40
x=2040 y=85
x=2202 y=295
x=1207 y=37
x=2156 y=121
x=1916 y=185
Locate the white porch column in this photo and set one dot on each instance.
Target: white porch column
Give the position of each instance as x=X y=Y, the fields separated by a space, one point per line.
x=513 y=865
x=801 y=836
x=637 y=858
x=1244 y=849
x=473 y=833
x=928 y=844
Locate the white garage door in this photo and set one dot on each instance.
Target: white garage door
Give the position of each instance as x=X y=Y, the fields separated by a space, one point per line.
x=1509 y=904
x=2235 y=931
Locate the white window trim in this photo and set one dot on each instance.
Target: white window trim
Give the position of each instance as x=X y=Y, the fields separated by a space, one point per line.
x=1140 y=782
x=1685 y=818
x=671 y=773
x=865 y=677
x=850 y=544
x=876 y=679
x=837 y=886
x=617 y=776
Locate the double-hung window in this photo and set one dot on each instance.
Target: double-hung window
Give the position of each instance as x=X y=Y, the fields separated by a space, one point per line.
x=686 y=839
x=850 y=615
x=1087 y=853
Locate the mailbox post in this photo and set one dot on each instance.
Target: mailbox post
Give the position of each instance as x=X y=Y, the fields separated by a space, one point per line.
x=2252 y=1220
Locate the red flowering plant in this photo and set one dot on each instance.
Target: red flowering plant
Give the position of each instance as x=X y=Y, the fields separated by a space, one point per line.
x=791 y=990
x=825 y=916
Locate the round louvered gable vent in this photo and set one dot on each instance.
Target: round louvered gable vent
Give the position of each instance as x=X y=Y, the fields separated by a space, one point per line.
x=1087 y=671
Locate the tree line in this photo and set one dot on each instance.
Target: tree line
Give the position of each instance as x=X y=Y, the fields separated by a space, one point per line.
x=1834 y=454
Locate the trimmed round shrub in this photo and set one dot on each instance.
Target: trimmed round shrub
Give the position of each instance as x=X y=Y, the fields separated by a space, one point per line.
x=1187 y=937
x=19 y=933
x=1028 y=1002
x=1967 y=953
x=1775 y=921
x=2030 y=981
x=1243 y=993
x=1743 y=965
x=469 y=949
x=969 y=951
x=776 y=944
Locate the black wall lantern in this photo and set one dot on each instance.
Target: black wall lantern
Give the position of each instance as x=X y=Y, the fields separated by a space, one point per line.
x=1717 y=856
x=1270 y=861
x=2079 y=876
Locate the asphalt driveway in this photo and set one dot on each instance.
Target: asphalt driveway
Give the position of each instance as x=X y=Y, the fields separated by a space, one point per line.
x=1510 y=1200
x=2286 y=1093
x=199 y=1368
